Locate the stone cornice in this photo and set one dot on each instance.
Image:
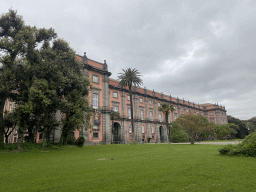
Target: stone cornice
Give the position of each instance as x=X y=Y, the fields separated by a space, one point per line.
x=96 y=69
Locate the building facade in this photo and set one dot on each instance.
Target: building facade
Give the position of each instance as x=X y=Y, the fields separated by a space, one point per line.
x=149 y=123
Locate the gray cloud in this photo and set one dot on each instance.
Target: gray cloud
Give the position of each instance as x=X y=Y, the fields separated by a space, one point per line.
x=203 y=51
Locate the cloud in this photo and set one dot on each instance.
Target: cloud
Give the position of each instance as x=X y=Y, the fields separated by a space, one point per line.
x=203 y=51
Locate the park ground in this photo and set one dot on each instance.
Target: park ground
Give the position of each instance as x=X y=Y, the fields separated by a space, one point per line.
x=127 y=168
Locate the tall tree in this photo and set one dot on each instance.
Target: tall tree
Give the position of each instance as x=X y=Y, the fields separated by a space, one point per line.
x=10 y=46
x=130 y=77
x=18 y=44
x=242 y=131
x=166 y=108
x=44 y=107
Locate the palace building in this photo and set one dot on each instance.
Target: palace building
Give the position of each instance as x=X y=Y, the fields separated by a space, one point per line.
x=149 y=123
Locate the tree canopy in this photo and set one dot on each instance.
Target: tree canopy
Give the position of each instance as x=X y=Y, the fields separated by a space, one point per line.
x=41 y=74
x=195 y=126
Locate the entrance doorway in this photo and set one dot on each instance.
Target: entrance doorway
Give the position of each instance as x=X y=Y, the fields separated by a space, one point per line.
x=117 y=133
x=161 y=131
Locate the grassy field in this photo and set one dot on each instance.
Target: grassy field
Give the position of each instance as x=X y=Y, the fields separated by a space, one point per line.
x=133 y=168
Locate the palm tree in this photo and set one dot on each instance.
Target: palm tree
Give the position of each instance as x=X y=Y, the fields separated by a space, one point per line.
x=114 y=116
x=130 y=77
x=166 y=108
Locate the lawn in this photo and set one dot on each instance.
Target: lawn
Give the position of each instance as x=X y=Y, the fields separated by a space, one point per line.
x=127 y=168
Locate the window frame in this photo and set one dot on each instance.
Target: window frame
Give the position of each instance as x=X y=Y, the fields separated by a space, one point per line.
x=115 y=92
x=142 y=113
x=98 y=78
x=151 y=112
x=143 y=129
x=95 y=102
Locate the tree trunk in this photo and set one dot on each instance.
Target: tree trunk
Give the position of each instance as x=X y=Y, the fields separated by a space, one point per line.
x=167 y=127
x=133 y=135
x=2 y=102
x=112 y=130
x=20 y=135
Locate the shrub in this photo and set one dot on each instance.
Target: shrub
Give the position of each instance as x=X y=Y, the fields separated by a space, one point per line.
x=246 y=148
x=71 y=140
x=80 y=141
x=177 y=134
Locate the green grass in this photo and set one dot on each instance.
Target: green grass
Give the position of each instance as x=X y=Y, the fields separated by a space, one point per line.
x=134 y=168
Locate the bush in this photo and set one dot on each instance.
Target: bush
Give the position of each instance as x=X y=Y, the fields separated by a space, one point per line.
x=178 y=135
x=246 y=148
x=80 y=141
x=71 y=140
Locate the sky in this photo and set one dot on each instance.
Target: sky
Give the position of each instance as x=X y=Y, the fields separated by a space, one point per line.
x=203 y=51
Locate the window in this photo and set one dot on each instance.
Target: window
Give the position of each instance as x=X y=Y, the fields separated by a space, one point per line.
x=160 y=116
x=211 y=113
x=152 y=129
x=181 y=109
x=95 y=78
x=95 y=127
x=175 y=116
x=95 y=135
x=128 y=97
x=95 y=99
x=159 y=104
x=142 y=128
x=129 y=112
x=150 y=102
x=115 y=95
x=141 y=100
x=142 y=113
x=169 y=118
x=151 y=115
x=130 y=128
x=40 y=136
x=115 y=108
x=212 y=120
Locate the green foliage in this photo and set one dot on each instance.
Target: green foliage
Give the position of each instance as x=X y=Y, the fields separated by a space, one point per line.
x=130 y=77
x=9 y=123
x=246 y=148
x=177 y=134
x=46 y=78
x=71 y=140
x=242 y=130
x=226 y=131
x=195 y=126
x=80 y=141
x=115 y=116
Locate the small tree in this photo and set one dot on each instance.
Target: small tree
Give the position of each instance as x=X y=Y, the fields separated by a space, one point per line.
x=130 y=77
x=195 y=125
x=166 y=108
x=177 y=134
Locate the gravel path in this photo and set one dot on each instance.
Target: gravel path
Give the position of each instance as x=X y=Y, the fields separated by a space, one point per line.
x=205 y=143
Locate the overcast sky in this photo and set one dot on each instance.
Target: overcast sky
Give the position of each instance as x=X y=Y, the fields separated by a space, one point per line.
x=202 y=51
